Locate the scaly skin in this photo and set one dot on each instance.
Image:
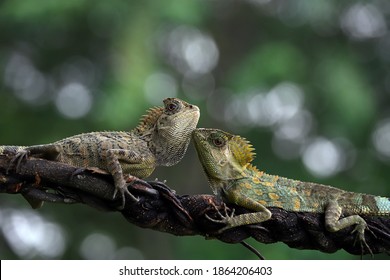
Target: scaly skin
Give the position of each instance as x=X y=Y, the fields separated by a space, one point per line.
x=226 y=160
x=160 y=139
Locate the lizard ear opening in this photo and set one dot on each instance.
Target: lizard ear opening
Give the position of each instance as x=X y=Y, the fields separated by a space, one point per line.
x=242 y=150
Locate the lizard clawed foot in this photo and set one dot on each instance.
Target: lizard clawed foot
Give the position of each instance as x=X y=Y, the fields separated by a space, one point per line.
x=122 y=188
x=224 y=218
x=17 y=159
x=360 y=229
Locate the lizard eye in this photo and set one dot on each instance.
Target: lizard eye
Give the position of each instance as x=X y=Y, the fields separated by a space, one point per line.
x=218 y=141
x=172 y=106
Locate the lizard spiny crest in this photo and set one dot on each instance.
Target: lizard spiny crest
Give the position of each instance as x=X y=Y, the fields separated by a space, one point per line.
x=149 y=120
x=242 y=150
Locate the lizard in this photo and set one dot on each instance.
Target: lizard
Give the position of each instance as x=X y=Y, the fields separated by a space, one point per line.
x=227 y=163
x=160 y=139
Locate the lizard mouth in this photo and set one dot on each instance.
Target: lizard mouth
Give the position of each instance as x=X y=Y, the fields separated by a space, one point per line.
x=198 y=137
x=195 y=111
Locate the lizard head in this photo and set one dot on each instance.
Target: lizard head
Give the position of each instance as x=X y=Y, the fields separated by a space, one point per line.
x=223 y=156
x=168 y=129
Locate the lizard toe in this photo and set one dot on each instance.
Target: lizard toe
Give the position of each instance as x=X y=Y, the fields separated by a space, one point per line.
x=17 y=160
x=123 y=191
x=78 y=171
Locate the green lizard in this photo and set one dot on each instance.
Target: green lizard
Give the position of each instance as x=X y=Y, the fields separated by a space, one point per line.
x=226 y=160
x=160 y=139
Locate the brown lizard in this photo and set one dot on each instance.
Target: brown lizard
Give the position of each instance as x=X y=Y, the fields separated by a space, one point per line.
x=226 y=160
x=160 y=139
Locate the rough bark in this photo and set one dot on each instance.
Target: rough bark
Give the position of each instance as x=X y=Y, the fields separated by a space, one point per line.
x=160 y=208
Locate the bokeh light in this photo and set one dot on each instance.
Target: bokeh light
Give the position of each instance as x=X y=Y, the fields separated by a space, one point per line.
x=189 y=50
x=324 y=157
x=74 y=100
x=30 y=235
x=27 y=82
x=99 y=246
x=381 y=139
x=159 y=86
x=363 y=21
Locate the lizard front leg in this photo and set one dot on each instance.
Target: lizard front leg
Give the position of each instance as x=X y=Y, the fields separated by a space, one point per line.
x=262 y=213
x=135 y=163
x=333 y=222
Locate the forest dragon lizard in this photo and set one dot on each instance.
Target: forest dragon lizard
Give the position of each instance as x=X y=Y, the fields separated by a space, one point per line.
x=160 y=139
x=226 y=160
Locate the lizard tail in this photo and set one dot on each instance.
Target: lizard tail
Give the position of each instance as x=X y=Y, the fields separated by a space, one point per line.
x=365 y=204
x=383 y=204
x=11 y=149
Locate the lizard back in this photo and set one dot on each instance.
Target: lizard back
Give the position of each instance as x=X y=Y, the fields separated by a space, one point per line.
x=294 y=195
x=90 y=150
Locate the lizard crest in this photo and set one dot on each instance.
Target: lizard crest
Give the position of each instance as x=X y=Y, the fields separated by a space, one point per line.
x=241 y=150
x=148 y=120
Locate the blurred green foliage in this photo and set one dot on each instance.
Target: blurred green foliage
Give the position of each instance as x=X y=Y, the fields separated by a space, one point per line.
x=307 y=82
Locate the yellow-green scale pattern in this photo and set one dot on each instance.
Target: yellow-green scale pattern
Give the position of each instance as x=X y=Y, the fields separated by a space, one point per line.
x=294 y=195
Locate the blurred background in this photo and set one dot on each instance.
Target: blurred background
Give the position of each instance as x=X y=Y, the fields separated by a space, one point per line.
x=307 y=82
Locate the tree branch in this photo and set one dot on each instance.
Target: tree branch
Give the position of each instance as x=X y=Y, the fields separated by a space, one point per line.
x=160 y=208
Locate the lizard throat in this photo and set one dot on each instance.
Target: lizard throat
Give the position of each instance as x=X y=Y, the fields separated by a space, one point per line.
x=168 y=150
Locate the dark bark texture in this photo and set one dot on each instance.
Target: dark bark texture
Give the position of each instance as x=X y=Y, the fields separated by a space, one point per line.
x=160 y=208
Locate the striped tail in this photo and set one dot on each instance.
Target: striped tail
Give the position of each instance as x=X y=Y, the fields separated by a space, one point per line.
x=367 y=204
x=383 y=204
x=364 y=204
